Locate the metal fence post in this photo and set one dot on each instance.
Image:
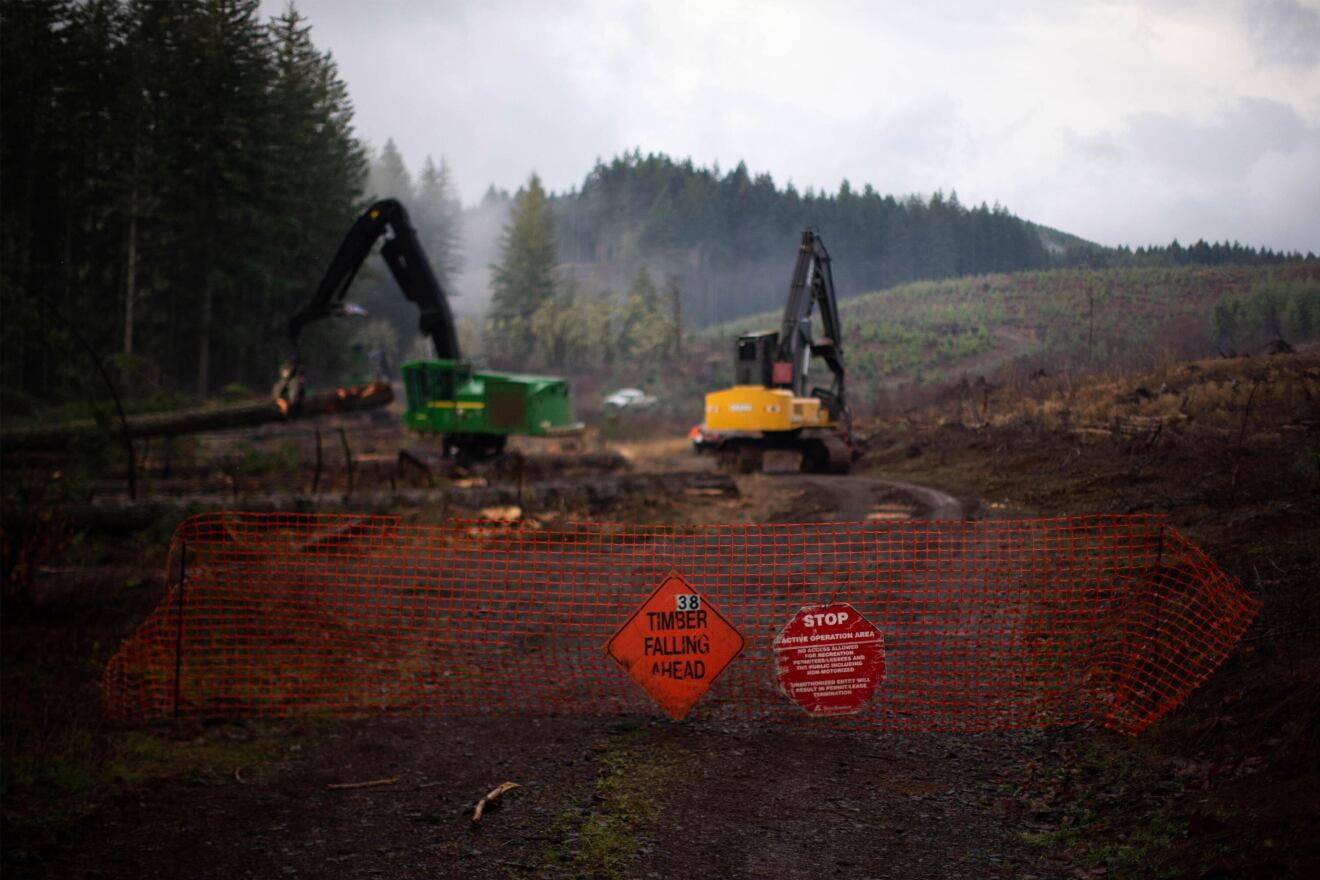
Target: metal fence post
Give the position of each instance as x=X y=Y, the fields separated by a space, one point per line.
x=316 y=476
x=178 y=633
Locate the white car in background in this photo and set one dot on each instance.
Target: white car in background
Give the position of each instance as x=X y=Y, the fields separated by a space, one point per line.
x=630 y=398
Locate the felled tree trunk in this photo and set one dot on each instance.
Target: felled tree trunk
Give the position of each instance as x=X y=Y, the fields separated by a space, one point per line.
x=211 y=418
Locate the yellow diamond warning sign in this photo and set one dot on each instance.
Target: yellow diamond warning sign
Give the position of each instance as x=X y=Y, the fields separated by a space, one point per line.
x=675 y=645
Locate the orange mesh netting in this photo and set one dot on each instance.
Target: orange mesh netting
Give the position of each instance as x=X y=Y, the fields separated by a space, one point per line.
x=986 y=625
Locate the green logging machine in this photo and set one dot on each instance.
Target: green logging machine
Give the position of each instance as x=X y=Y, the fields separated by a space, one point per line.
x=473 y=411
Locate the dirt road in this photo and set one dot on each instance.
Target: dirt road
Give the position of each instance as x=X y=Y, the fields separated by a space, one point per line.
x=857 y=499
x=783 y=492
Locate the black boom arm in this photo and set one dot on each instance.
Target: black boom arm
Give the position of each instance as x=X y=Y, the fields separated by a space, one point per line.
x=812 y=284
x=403 y=254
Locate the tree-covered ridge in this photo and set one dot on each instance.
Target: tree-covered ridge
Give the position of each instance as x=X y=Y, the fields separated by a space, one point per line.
x=1078 y=253
x=174 y=177
x=1069 y=320
x=935 y=334
x=730 y=237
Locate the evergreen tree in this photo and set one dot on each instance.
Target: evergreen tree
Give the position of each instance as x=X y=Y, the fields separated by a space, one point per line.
x=389 y=178
x=524 y=277
x=34 y=55
x=674 y=294
x=181 y=170
x=323 y=166
x=645 y=332
x=222 y=167
x=644 y=287
x=439 y=219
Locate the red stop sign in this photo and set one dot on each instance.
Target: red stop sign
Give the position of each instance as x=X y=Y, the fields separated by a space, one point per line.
x=829 y=659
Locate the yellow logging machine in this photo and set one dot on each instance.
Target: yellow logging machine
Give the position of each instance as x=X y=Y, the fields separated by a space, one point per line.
x=769 y=407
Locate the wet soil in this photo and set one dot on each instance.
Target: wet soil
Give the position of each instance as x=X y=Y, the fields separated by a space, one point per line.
x=626 y=798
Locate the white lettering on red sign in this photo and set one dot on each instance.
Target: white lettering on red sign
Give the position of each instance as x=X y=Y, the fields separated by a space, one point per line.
x=833 y=618
x=829 y=659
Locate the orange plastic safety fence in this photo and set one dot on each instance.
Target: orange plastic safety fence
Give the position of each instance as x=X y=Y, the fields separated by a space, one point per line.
x=986 y=625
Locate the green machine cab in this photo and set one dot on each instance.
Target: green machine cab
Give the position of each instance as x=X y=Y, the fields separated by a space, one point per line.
x=477 y=409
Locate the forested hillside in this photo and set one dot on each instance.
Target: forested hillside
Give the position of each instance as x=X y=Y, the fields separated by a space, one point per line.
x=730 y=238
x=931 y=333
x=928 y=335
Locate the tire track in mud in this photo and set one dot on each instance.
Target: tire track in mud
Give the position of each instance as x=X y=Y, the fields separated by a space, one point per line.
x=857 y=499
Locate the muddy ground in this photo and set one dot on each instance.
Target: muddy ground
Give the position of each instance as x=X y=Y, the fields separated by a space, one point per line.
x=1224 y=787
x=631 y=797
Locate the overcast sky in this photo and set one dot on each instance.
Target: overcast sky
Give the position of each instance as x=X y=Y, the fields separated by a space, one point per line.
x=1125 y=123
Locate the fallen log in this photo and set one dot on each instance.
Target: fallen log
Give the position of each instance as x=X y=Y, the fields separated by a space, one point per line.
x=542 y=464
x=208 y=418
x=430 y=465
x=120 y=515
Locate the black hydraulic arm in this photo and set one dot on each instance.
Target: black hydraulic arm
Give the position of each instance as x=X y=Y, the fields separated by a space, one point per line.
x=812 y=285
x=403 y=254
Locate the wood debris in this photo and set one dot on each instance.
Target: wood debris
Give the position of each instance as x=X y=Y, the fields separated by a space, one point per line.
x=371 y=783
x=490 y=796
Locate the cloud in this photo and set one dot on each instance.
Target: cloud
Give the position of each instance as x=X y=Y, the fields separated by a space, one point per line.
x=1121 y=121
x=1250 y=173
x=1102 y=147
x=1283 y=190
x=1222 y=149
x=1284 y=32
